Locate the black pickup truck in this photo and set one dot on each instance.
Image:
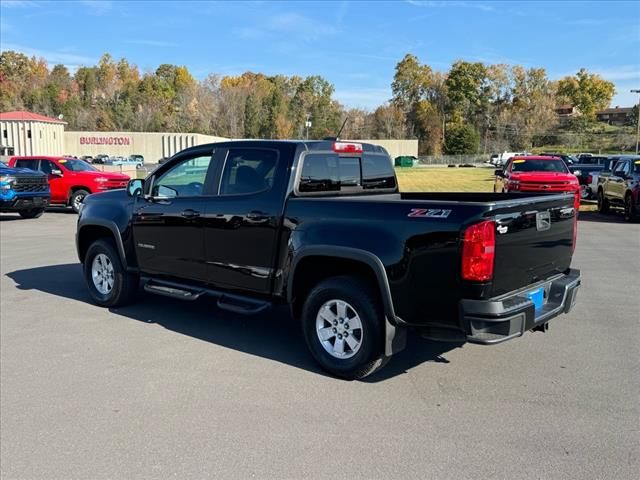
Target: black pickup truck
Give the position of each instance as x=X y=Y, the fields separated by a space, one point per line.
x=322 y=227
x=619 y=187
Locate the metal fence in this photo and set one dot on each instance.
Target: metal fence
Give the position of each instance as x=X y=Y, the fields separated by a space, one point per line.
x=453 y=159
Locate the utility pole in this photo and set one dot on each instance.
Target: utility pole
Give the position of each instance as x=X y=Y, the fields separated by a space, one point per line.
x=638 y=123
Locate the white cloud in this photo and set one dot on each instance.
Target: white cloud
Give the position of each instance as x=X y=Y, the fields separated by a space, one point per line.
x=153 y=43
x=459 y=4
x=295 y=23
x=367 y=98
x=18 y=3
x=98 y=7
x=71 y=60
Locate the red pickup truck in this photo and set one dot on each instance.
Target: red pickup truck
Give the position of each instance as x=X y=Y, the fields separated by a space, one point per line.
x=537 y=174
x=71 y=179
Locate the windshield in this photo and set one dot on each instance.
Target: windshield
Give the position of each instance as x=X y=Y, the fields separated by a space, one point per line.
x=2 y=164
x=77 y=165
x=522 y=165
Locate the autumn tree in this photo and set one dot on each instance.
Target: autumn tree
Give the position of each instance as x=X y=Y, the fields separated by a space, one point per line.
x=589 y=92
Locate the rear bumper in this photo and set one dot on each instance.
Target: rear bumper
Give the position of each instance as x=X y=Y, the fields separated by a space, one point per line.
x=494 y=321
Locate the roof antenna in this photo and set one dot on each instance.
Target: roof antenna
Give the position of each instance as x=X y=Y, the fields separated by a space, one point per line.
x=342 y=127
x=337 y=137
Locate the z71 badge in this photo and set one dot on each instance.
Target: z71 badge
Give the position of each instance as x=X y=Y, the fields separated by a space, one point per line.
x=429 y=213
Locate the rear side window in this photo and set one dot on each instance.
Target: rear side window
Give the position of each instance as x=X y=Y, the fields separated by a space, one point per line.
x=328 y=172
x=248 y=170
x=32 y=164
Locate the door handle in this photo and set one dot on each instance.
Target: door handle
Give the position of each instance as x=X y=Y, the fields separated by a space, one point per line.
x=257 y=215
x=189 y=213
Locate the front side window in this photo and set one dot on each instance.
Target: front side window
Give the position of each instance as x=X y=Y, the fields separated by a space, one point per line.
x=186 y=179
x=76 y=165
x=47 y=166
x=622 y=168
x=248 y=170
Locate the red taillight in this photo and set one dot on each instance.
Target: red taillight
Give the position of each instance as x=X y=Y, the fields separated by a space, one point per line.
x=589 y=179
x=345 y=147
x=478 y=251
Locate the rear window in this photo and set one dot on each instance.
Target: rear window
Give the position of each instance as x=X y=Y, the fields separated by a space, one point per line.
x=328 y=172
x=522 y=165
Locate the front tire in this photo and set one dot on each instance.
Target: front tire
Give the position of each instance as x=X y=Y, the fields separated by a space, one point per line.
x=342 y=322
x=110 y=285
x=32 y=213
x=603 y=203
x=76 y=199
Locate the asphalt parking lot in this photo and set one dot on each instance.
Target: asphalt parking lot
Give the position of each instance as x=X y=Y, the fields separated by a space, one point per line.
x=164 y=389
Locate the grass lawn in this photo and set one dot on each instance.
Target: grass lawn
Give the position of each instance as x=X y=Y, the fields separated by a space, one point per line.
x=453 y=180
x=439 y=179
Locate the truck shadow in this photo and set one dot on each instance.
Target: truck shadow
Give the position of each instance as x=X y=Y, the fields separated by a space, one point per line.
x=273 y=335
x=612 y=217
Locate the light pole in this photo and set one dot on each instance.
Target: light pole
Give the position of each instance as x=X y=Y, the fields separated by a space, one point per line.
x=307 y=125
x=638 y=121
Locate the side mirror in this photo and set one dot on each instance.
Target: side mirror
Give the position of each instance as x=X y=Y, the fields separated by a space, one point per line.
x=56 y=172
x=134 y=187
x=499 y=173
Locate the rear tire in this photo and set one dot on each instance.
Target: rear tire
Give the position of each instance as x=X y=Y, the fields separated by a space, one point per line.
x=630 y=213
x=346 y=313
x=110 y=285
x=32 y=213
x=603 y=203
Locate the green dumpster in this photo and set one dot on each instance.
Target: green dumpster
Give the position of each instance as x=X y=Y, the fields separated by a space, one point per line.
x=405 y=161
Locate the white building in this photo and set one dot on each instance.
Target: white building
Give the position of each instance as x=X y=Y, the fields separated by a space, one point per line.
x=26 y=133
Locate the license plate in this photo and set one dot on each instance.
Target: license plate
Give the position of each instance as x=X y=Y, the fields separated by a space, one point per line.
x=37 y=200
x=537 y=297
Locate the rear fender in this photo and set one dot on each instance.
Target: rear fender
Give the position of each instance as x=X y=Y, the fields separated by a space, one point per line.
x=395 y=338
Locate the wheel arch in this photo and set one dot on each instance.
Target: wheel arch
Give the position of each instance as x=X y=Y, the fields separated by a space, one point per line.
x=327 y=260
x=90 y=232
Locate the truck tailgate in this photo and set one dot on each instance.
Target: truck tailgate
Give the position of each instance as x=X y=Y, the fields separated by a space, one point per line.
x=534 y=241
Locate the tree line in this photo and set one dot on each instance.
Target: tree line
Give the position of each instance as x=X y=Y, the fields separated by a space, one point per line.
x=471 y=107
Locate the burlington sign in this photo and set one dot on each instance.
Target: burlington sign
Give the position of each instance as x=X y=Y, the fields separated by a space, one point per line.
x=105 y=140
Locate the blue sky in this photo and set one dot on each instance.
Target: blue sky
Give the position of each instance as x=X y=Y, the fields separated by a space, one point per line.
x=354 y=44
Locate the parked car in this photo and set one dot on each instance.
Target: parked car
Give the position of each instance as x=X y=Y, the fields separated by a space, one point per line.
x=592 y=178
x=101 y=159
x=71 y=180
x=136 y=161
x=537 y=174
x=493 y=160
x=322 y=227
x=506 y=156
x=620 y=187
x=23 y=191
x=586 y=166
x=87 y=158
